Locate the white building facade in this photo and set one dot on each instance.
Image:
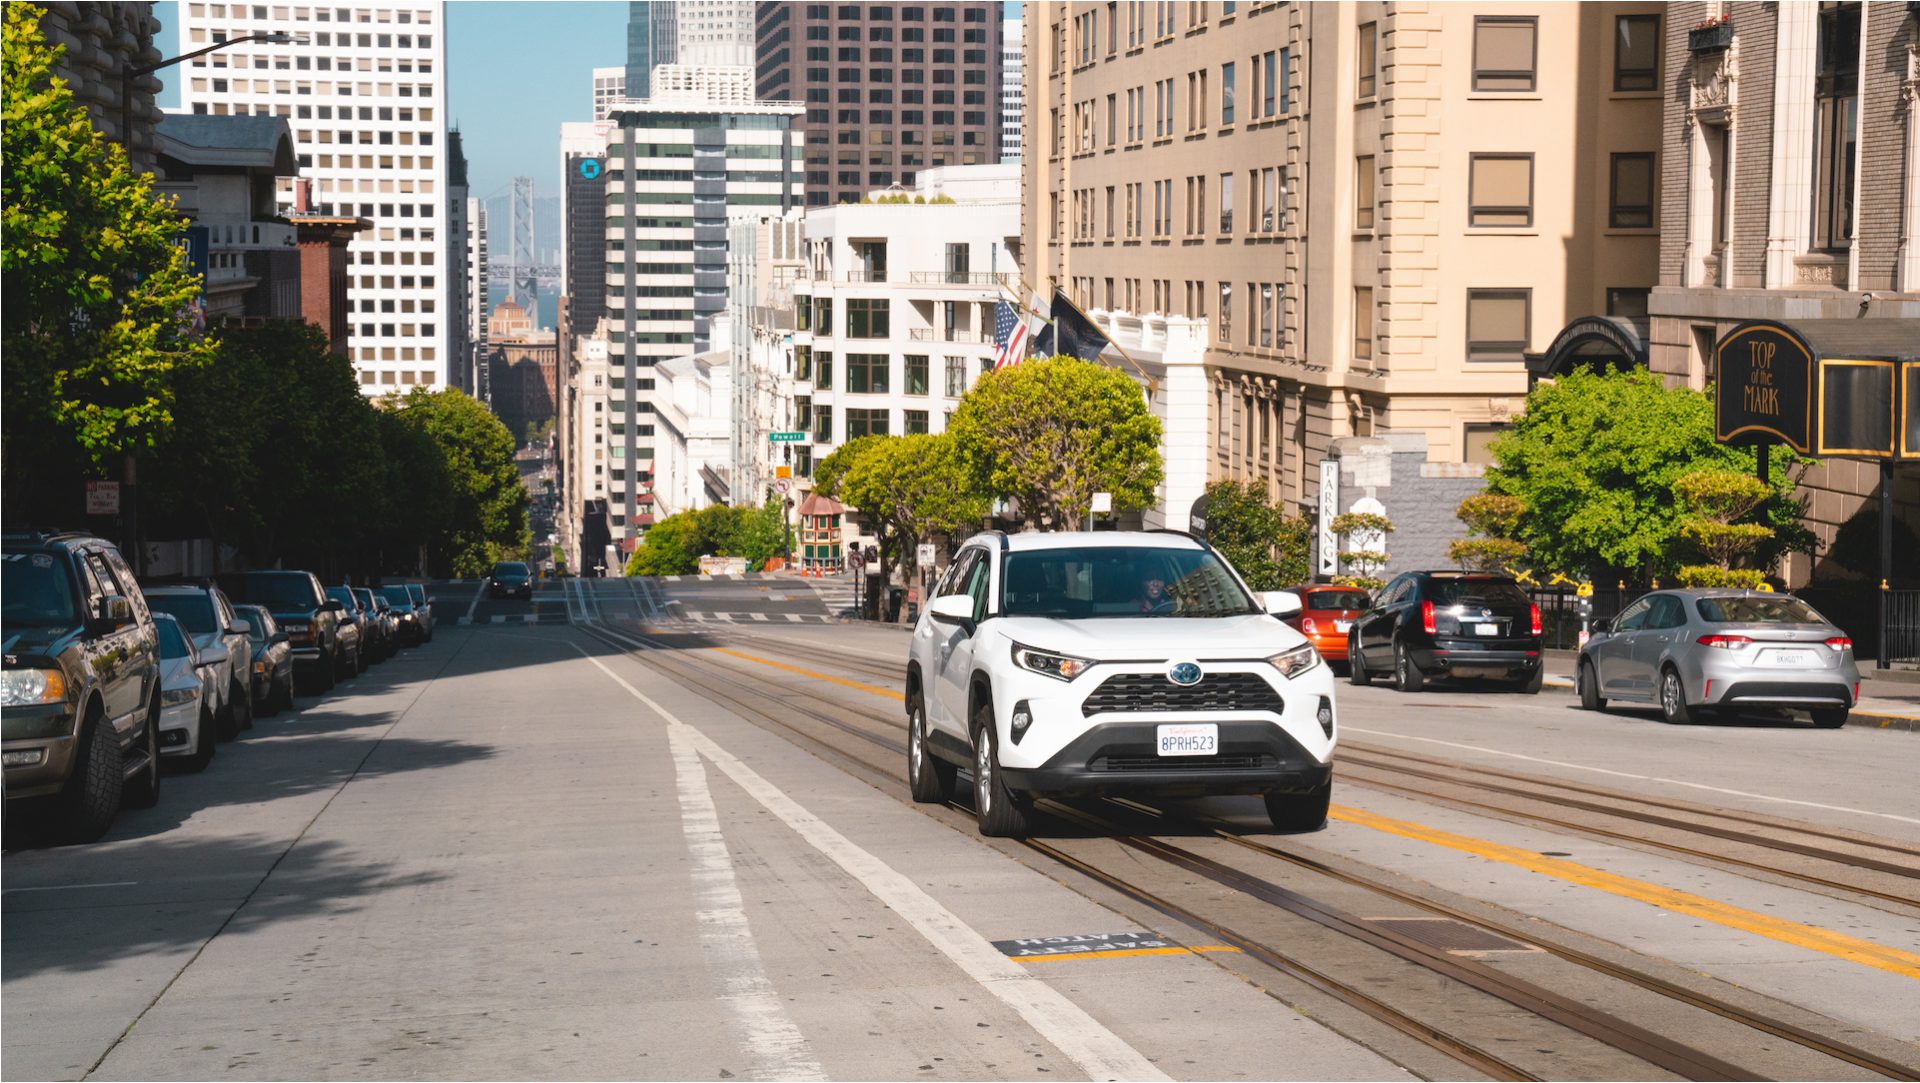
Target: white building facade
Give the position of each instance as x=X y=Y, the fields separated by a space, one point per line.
x=479 y=299
x=609 y=86
x=765 y=259
x=366 y=98
x=714 y=33
x=693 y=426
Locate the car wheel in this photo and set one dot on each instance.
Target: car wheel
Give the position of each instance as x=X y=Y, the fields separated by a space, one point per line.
x=1588 y=680
x=329 y=674
x=1406 y=676
x=1673 y=698
x=929 y=777
x=229 y=718
x=1300 y=811
x=1356 y=665
x=1830 y=718
x=1531 y=685
x=143 y=790
x=242 y=701
x=1001 y=813
x=203 y=745
x=359 y=660
x=92 y=798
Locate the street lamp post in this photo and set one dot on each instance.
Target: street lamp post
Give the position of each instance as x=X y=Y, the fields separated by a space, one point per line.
x=129 y=500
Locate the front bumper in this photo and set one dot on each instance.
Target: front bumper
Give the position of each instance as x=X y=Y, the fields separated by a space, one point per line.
x=1121 y=757
x=179 y=726
x=48 y=728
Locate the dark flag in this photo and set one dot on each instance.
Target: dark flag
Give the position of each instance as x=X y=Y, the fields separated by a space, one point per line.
x=1070 y=333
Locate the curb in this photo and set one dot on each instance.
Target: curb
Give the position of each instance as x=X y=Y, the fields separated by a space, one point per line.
x=1864 y=719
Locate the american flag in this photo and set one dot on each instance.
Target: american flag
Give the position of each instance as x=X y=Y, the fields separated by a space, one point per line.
x=1009 y=333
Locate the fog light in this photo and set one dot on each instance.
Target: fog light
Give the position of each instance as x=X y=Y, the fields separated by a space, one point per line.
x=1325 y=715
x=1022 y=718
x=31 y=757
x=170 y=738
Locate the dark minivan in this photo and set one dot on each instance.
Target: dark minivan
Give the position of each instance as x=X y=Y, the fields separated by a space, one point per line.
x=1448 y=624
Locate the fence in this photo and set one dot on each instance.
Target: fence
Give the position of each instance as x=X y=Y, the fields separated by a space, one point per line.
x=1900 y=627
x=1560 y=612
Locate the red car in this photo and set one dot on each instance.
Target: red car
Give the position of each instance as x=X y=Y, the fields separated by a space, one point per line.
x=1326 y=613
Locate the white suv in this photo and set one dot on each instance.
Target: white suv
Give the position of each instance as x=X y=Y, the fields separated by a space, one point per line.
x=1113 y=662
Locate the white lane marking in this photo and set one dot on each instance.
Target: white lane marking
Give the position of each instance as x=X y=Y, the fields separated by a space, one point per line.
x=777 y=1048
x=761 y=616
x=71 y=887
x=1099 y=1052
x=794 y=617
x=1641 y=778
x=478 y=593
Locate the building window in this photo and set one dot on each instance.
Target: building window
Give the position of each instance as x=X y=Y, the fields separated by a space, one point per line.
x=1500 y=190
x=823 y=424
x=823 y=370
x=1226 y=203
x=1477 y=439
x=1363 y=198
x=956 y=377
x=823 y=315
x=1836 y=123
x=1497 y=324
x=916 y=421
x=1226 y=93
x=917 y=383
x=1628 y=302
x=1366 y=63
x=1363 y=324
x=867 y=317
x=1630 y=202
x=866 y=423
x=1636 y=52
x=1504 y=48
x=868 y=373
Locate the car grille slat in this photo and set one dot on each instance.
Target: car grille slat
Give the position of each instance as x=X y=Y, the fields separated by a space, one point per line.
x=1133 y=693
x=1255 y=761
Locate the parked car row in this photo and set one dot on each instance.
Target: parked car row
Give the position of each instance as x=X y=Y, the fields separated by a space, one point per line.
x=108 y=679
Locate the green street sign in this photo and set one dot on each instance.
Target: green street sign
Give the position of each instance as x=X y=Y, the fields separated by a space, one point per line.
x=787 y=437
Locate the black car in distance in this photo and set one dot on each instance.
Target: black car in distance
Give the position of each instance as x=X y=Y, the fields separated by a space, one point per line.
x=1448 y=624
x=510 y=579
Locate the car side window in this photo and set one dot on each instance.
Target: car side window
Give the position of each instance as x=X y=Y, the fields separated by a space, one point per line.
x=1665 y=613
x=1394 y=594
x=128 y=585
x=954 y=581
x=979 y=575
x=1634 y=616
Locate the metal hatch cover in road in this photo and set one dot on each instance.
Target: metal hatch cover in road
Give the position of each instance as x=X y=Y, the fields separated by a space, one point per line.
x=1824 y=387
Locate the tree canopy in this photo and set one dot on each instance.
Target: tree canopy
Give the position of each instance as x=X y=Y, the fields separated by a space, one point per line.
x=1051 y=433
x=1267 y=548
x=488 y=517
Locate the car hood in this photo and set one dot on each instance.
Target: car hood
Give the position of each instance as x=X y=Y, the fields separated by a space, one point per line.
x=21 y=642
x=178 y=673
x=1154 y=638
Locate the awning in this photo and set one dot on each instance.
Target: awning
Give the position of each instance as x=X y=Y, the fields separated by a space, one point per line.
x=1597 y=342
x=1848 y=388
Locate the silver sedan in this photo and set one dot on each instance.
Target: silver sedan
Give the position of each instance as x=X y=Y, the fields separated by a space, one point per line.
x=1690 y=652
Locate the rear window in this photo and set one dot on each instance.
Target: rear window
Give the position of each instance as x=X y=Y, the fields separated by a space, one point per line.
x=1758 y=609
x=193 y=610
x=510 y=568
x=343 y=596
x=275 y=590
x=172 y=643
x=1487 y=592
x=1337 y=599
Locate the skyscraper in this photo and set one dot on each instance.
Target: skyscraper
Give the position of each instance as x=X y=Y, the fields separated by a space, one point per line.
x=480 y=300
x=583 y=223
x=1013 y=90
x=609 y=86
x=714 y=33
x=889 y=90
x=459 y=275
x=365 y=96
x=651 y=42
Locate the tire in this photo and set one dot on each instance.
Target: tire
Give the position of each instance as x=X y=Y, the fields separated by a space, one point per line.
x=1001 y=813
x=203 y=745
x=1531 y=686
x=930 y=778
x=91 y=801
x=1300 y=811
x=1406 y=676
x=328 y=676
x=359 y=659
x=1357 y=666
x=1673 y=699
x=240 y=701
x=1829 y=718
x=229 y=718
x=143 y=790
x=1587 y=680
x=286 y=694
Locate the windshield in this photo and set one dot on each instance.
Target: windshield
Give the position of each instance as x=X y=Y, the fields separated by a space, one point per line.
x=1482 y=592
x=418 y=593
x=292 y=590
x=1342 y=600
x=254 y=621
x=364 y=597
x=38 y=592
x=193 y=610
x=172 y=643
x=511 y=568
x=1760 y=609
x=343 y=596
x=397 y=595
x=1118 y=581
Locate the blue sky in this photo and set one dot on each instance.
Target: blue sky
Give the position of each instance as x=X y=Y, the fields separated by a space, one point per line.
x=516 y=70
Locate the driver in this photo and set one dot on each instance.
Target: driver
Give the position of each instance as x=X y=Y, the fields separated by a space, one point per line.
x=1153 y=595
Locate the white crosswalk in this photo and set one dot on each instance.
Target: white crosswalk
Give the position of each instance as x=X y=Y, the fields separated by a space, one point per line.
x=836 y=593
x=700 y=617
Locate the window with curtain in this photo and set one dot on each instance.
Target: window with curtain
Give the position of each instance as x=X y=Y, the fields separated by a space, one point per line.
x=1636 y=52
x=1630 y=196
x=1498 y=324
x=1366 y=63
x=1504 y=52
x=1363 y=196
x=1363 y=324
x=1500 y=190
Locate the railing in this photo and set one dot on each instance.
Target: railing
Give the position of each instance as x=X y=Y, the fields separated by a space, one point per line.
x=1899 y=627
x=1560 y=612
x=961 y=278
x=928 y=334
x=858 y=277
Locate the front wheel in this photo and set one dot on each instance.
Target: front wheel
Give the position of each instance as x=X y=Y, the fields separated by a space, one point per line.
x=1406 y=676
x=203 y=745
x=929 y=777
x=1673 y=699
x=1300 y=811
x=1000 y=812
x=241 y=703
x=1830 y=718
x=91 y=800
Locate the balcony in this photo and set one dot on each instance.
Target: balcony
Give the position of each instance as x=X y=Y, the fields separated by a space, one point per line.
x=1713 y=36
x=928 y=334
x=962 y=278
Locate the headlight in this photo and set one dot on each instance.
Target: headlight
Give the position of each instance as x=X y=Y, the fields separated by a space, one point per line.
x=178 y=696
x=406 y=616
x=1292 y=663
x=26 y=687
x=1062 y=667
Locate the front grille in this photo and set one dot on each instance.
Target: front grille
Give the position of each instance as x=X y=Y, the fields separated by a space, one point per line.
x=1142 y=692
x=1246 y=762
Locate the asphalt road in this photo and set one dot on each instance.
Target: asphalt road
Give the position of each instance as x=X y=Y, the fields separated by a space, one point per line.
x=524 y=851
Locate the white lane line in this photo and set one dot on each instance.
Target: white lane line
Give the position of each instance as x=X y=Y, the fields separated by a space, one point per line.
x=1641 y=778
x=777 y=1048
x=1099 y=1052
x=761 y=616
x=794 y=617
x=478 y=593
x=71 y=887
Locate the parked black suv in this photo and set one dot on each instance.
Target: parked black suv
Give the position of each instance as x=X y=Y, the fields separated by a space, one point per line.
x=303 y=611
x=81 y=684
x=1448 y=624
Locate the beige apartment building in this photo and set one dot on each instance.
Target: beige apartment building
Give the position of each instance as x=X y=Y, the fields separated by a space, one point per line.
x=1378 y=209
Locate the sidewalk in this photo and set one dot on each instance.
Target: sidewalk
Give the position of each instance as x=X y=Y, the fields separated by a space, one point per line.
x=1886 y=702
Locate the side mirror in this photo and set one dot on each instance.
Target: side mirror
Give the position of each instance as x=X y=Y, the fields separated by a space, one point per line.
x=952 y=609
x=239 y=627
x=113 y=610
x=1280 y=603
x=1603 y=626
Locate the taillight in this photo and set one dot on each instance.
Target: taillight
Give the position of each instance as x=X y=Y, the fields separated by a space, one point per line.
x=1840 y=643
x=1307 y=626
x=1732 y=643
x=1537 y=630
x=1426 y=617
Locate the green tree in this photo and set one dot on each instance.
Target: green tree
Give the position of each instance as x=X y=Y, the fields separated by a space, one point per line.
x=909 y=488
x=1051 y=433
x=670 y=547
x=1264 y=545
x=1363 y=559
x=96 y=293
x=1492 y=520
x=828 y=472
x=1595 y=457
x=1714 y=500
x=488 y=517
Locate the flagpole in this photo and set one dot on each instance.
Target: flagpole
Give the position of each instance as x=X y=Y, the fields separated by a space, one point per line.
x=1153 y=385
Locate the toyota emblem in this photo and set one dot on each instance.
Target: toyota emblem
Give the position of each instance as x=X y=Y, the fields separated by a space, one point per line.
x=1184 y=673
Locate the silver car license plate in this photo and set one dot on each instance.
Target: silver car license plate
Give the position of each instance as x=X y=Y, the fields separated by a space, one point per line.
x=1802 y=659
x=1189 y=739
